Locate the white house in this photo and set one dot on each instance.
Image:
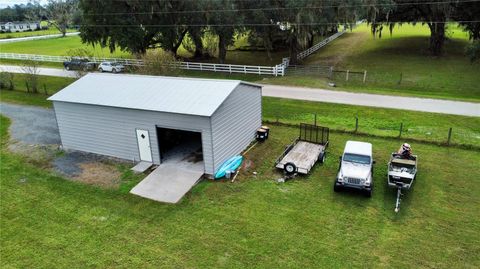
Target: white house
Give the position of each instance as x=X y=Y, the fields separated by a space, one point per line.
x=7 y=27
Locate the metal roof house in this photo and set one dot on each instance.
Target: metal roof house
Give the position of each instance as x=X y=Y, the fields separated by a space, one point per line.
x=19 y=26
x=141 y=118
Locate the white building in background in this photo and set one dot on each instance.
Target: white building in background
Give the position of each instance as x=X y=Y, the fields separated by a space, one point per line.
x=7 y=27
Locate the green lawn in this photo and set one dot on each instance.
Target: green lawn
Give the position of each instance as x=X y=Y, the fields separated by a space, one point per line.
x=47 y=221
x=50 y=31
x=19 y=95
x=378 y=121
x=60 y=46
x=403 y=55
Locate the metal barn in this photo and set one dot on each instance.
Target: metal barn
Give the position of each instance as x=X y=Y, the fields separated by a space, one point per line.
x=144 y=118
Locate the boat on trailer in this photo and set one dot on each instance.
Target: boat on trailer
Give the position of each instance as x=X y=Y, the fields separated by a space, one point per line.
x=402 y=173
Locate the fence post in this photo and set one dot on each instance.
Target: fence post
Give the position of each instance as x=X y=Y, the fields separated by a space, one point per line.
x=449 y=136
x=356 y=124
x=315 y=119
x=348 y=71
x=401 y=130
x=364 y=76
x=331 y=72
x=401 y=77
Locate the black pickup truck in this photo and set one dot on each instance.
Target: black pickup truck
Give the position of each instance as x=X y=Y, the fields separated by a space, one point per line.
x=79 y=64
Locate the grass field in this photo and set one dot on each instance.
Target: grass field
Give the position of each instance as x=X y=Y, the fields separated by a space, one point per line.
x=51 y=31
x=20 y=96
x=402 y=56
x=62 y=47
x=58 y=46
x=47 y=221
x=377 y=121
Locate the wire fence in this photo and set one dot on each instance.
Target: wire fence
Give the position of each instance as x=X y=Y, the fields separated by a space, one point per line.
x=450 y=136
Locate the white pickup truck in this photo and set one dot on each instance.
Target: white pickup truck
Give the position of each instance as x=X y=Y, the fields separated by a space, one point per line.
x=356 y=168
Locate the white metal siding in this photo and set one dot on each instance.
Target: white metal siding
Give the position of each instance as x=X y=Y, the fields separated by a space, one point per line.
x=111 y=131
x=235 y=123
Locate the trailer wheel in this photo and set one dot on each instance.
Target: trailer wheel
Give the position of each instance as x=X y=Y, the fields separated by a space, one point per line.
x=322 y=157
x=290 y=168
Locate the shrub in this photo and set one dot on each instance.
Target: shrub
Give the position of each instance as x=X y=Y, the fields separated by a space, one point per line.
x=6 y=81
x=31 y=70
x=159 y=62
x=473 y=51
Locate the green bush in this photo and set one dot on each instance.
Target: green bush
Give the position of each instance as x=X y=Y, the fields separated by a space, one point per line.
x=6 y=81
x=473 y=51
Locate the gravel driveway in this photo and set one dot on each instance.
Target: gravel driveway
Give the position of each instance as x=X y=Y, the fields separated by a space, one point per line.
x=31 y=125
x=36 y=128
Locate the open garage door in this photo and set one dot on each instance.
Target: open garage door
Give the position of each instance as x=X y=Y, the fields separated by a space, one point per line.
x=179 y=144
x=180 y=169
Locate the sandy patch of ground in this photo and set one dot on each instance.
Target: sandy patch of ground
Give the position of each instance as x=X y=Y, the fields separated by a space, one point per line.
x=99 y=174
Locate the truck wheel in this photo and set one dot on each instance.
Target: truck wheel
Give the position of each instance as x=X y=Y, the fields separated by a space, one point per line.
x=67 y=67
x=336 y=188
x=290 y=168
x=114 y=70
x=101 y=70
x=322 y=157
x=368 y=193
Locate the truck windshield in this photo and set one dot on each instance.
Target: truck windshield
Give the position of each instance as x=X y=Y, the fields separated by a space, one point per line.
x=355 y=158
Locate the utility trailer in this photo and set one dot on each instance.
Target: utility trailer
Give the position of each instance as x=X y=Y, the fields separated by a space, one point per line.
x=300 y=156
x=402 y=173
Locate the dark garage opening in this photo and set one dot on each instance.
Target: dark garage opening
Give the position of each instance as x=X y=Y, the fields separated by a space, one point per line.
x=179 y=145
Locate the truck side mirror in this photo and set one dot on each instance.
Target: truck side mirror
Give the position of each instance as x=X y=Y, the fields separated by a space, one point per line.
x=374 y=162
x=340 y=158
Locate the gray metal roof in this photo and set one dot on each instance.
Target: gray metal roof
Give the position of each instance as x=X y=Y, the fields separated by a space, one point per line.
x=165 y=94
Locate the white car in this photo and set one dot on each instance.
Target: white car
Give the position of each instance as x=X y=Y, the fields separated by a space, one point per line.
x=356 y=168
x=111 y=67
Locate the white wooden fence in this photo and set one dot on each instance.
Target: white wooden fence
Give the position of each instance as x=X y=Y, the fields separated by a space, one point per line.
x=277 y=70
x=36 y=37
x=304 y=54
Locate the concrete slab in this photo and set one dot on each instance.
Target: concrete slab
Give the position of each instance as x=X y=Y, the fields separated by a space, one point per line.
x=171 y=180
x=141 y=167
x=168 y=183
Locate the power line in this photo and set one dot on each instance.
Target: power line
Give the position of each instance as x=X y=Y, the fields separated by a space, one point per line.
x=255 y=24
x=276 y=8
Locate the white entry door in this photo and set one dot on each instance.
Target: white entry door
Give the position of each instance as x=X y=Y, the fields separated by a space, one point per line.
x=144 y=145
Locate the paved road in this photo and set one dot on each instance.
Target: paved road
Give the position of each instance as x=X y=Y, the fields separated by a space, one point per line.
x=56 y=72
x=28 y=38
x=374 y=100
x=339 y=97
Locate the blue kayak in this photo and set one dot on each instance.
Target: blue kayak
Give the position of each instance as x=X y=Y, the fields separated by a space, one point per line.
x=229 y=165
